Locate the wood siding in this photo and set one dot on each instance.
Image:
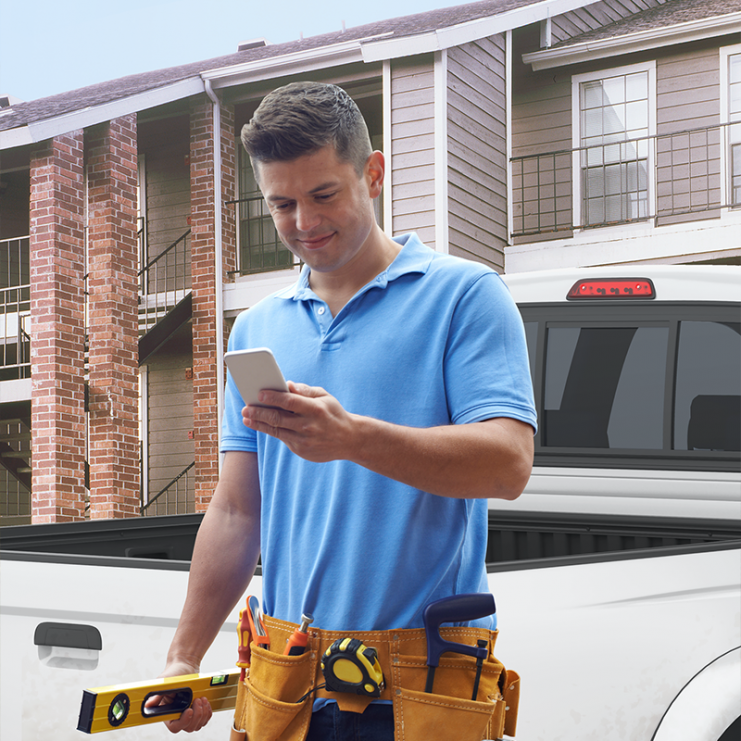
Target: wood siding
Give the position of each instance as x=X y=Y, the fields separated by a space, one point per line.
x=413 y=147
x=477 y=164
x=165 y=145
x=688 y=147
x=541 y=125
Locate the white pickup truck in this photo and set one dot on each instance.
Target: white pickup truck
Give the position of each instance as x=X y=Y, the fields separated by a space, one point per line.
x=617 y=574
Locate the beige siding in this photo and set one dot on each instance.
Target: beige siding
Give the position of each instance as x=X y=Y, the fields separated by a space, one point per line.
x=541 y=126
x=165 y=145
x=688 y=164
x=413 y=147
x=477 y=167
x=170 y=418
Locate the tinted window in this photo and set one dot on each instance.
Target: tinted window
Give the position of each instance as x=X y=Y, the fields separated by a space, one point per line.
x=708 y=384
x=604 y=387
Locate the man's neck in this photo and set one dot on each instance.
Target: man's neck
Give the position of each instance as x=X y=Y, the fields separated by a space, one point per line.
x=338 y=287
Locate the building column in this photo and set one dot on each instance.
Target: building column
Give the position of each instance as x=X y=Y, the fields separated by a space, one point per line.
x=57 y=258
x=113 y=319
x=203 y=271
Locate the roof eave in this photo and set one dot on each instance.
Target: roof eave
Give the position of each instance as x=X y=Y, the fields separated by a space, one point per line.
x=631 y=43
x=299 y=62
x=50 y=127
x=465 y=33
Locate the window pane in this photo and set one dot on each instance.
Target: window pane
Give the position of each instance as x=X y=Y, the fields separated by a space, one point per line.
x=615 y=134
x=707 y=400
x=591 y=95
x=604 y=387
x=613 y=90
x=636 y=86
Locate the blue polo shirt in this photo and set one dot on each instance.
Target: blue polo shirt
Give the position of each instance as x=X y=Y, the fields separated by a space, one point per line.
x=433 y=340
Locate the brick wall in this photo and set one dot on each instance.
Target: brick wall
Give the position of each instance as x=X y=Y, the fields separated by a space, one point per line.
x=57 y=329
x=112 y=319
x=203 y=270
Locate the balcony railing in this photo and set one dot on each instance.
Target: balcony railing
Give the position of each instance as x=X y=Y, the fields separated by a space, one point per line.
x=663 y=178
x=164 y=281
x=260 y=249
x=15 y=309
x=178 y=497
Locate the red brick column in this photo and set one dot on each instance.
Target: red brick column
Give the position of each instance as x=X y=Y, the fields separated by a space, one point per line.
x=113 y=319
x=57 y=330
x=203 y=271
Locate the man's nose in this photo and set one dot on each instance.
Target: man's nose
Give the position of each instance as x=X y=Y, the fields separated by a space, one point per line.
x=307 y=217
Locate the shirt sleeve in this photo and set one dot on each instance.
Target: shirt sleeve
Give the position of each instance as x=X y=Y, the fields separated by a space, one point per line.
x=487 y=373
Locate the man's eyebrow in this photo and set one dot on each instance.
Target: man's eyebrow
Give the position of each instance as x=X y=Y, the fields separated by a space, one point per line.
x=319 y=188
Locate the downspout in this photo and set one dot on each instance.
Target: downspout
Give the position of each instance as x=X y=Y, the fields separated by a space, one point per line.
x=219 y=262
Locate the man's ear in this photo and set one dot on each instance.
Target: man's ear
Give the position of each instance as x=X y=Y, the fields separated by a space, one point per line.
x=375 y=169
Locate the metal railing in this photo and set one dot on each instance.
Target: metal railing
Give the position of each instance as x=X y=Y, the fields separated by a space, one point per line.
x=15 y=309
x=177 y=497
x=163 y=282
x=260 y=249
x=657 y=177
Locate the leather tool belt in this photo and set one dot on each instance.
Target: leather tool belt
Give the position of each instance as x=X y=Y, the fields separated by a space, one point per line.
x=273 y=703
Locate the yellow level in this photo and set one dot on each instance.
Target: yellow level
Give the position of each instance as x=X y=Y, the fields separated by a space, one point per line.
x=122 y=705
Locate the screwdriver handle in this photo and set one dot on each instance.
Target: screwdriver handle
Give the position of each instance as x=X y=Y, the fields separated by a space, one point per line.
x=245 y=636
x=456 y=609
x=296 y=644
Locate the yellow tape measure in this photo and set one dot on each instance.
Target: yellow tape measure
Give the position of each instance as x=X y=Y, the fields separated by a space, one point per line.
x=123 y=705
x=349 y=665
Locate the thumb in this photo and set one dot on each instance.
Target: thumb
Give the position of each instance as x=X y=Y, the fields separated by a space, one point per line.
x=303 y=390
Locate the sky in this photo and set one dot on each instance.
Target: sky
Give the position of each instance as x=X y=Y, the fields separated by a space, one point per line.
x=53 y=46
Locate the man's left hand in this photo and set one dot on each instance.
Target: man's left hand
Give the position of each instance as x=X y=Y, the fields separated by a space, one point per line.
x=311 y=422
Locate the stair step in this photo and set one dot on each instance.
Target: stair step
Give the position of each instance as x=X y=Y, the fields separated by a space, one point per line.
x=10 y=437
x=24 y=454
x=14 y=421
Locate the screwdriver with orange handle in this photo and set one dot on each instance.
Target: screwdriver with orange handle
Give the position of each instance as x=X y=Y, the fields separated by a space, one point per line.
x=296 y=644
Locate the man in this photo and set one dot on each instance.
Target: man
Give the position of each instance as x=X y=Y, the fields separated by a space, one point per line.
x=411 y=404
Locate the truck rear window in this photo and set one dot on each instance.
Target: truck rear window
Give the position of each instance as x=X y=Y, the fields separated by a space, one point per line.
x=633 y=386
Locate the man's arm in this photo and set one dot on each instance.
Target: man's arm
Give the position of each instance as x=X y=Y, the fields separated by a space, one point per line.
x=478 y=460
x=224 y=560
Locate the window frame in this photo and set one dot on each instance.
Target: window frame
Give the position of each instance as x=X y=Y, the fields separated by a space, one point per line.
x=639 y=314
x=578 y=217
x=726 y=161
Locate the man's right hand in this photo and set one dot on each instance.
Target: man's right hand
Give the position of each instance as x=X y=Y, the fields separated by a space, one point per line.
x=197 y=715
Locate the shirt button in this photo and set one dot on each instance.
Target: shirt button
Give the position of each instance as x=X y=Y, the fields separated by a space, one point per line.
x=320 y=310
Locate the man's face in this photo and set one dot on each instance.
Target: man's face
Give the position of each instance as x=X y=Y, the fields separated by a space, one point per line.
x=322 y=210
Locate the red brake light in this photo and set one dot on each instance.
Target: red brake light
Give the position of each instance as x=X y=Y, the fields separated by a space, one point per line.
x=624 y=288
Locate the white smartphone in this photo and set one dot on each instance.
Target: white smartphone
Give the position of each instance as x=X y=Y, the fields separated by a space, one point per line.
x=254 y=370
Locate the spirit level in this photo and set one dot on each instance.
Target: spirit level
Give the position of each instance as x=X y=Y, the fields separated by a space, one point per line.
x=123 y=705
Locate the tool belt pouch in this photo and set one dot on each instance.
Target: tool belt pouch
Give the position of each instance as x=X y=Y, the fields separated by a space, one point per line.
x=448 y=711
x=267 y=707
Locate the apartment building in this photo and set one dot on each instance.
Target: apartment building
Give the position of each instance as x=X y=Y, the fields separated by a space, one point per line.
x=525 y=135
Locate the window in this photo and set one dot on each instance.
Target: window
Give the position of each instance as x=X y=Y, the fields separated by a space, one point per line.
x=613 y=159
x=708 y=405
x=614 y=385
x=604 y=387
x=260 y=249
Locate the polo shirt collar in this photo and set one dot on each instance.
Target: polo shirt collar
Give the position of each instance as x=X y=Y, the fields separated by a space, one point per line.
x=414 y=257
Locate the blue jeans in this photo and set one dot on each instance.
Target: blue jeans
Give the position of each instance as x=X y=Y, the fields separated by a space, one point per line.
x=331 y=724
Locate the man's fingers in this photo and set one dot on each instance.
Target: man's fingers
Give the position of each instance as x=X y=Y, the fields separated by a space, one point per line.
x=193 y=719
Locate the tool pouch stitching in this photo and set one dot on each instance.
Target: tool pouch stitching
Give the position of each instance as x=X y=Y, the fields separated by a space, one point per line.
x=423 y=716
x=267 y=707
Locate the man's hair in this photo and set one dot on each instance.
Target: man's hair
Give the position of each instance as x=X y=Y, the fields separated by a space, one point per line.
x=302 y=118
